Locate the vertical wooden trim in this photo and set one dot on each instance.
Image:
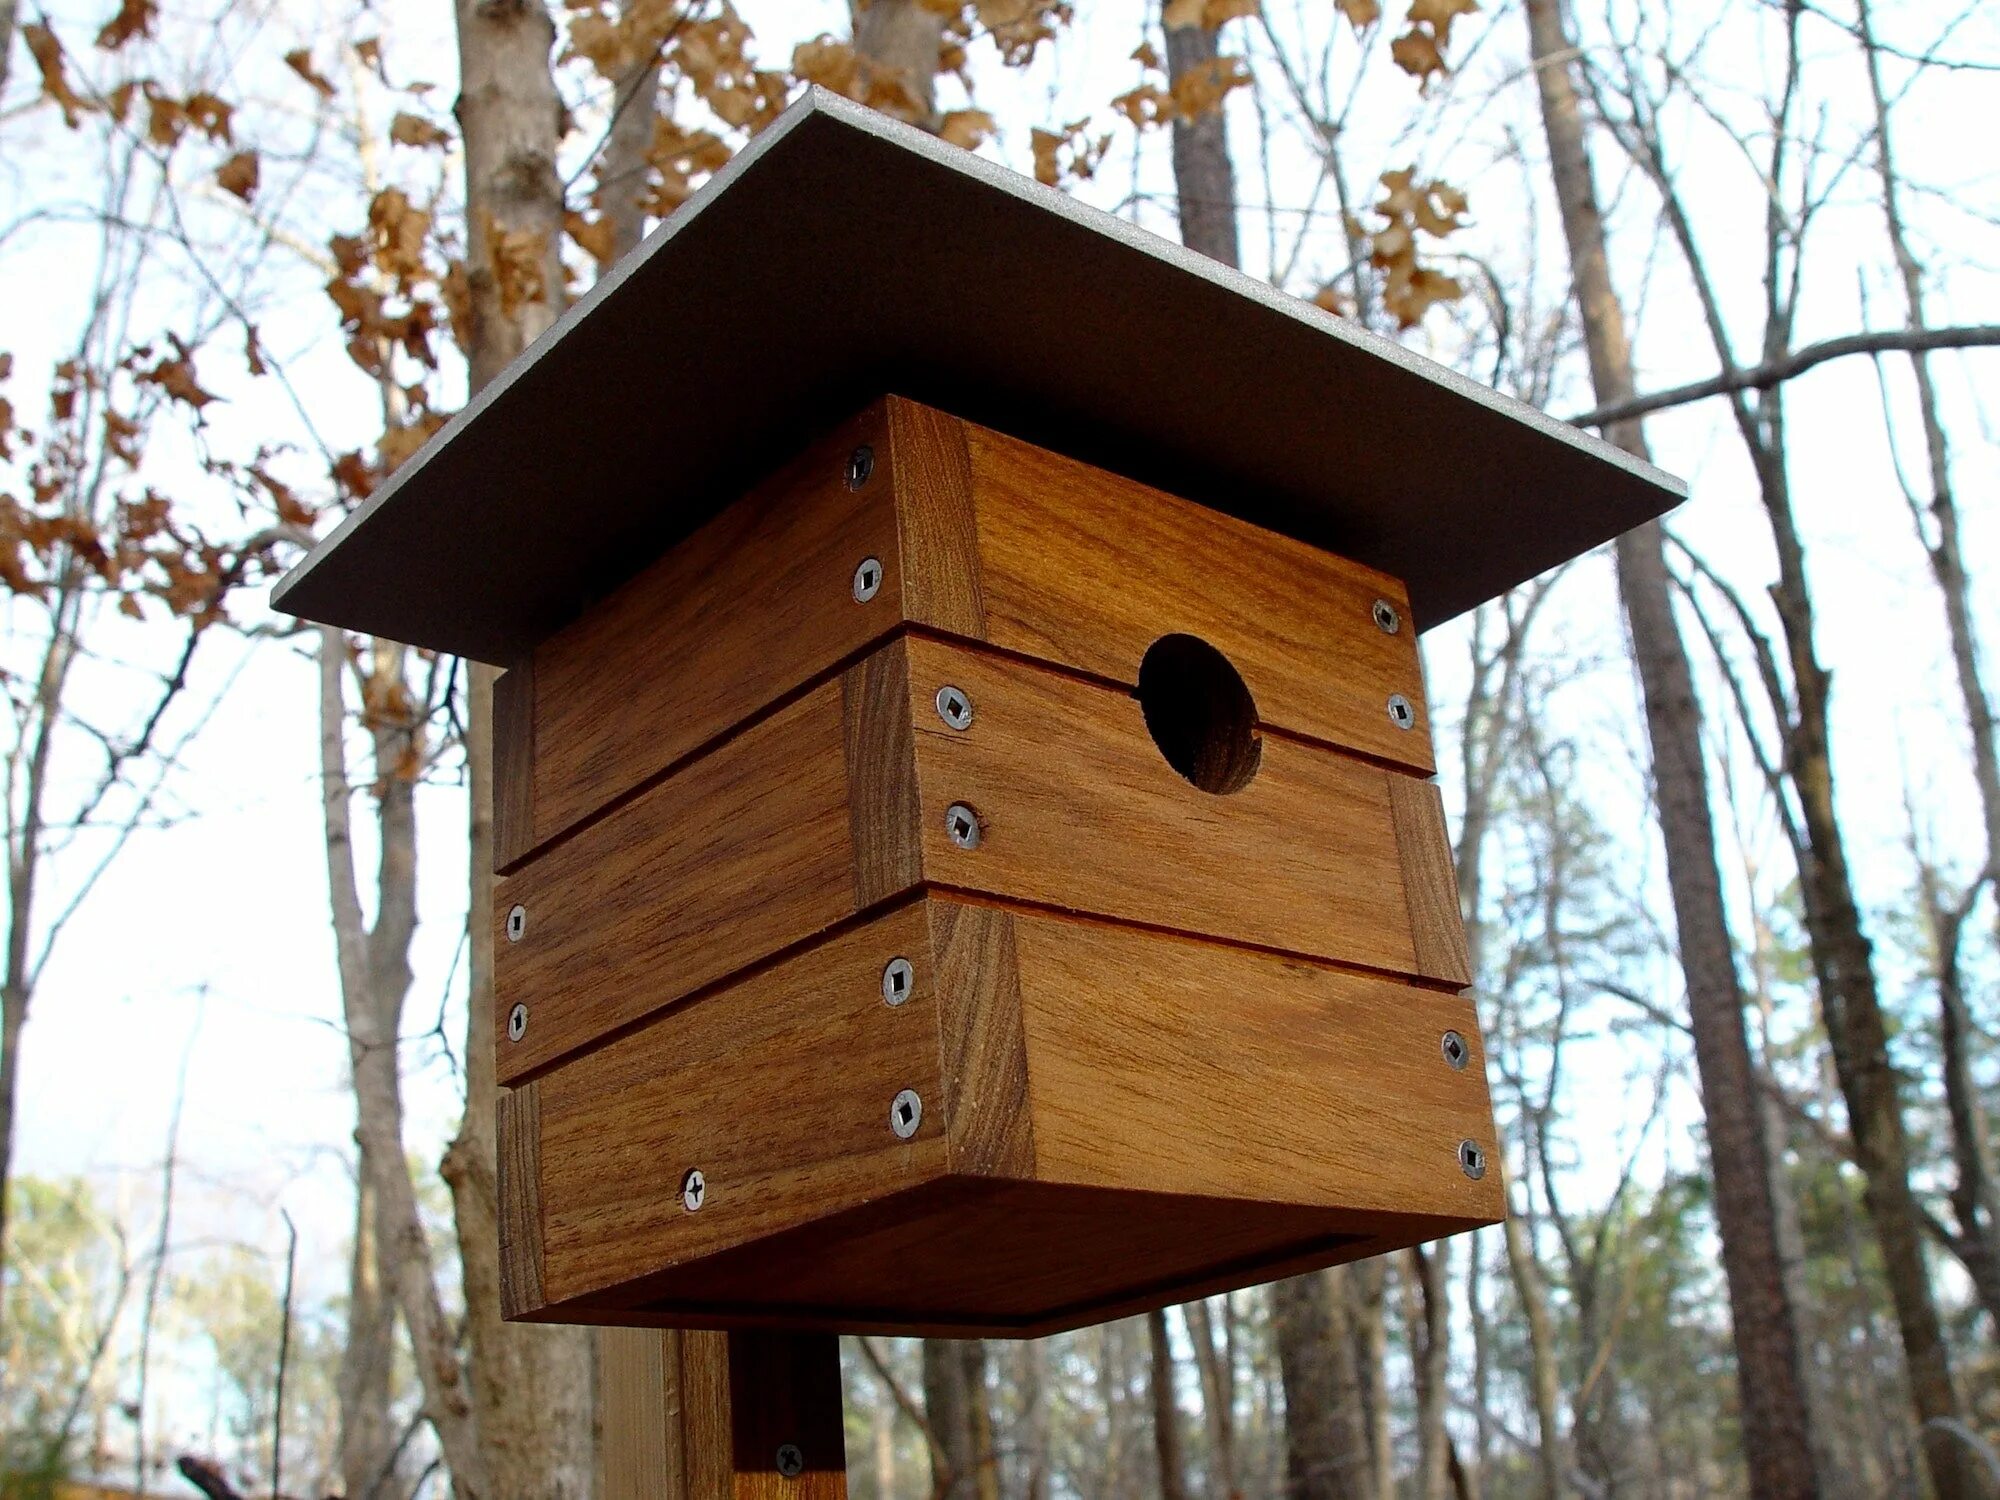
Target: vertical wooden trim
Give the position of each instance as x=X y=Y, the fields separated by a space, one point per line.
x=513 y=765
x=1430 y=884
x=934 y=517
x=519 y=1129
x=881 y=755
x=984 y=1050
x=701 y=1416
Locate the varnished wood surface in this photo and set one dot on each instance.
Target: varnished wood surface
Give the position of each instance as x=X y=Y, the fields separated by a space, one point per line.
x=519 y=1150
x=984 y=1050
x=1087 y=569
x=777 y=1088
x=1429 y=880
x=746 y=610
x=701 y=1416
x=1080 y=811
x=935 y=519
x=880 y=749
x=739 y=855
x=513 y=765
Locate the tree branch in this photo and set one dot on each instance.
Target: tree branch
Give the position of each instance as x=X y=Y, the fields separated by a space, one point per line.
x=1776 y=372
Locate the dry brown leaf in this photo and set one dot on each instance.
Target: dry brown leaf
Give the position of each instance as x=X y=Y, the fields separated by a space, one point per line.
x=134 y=18
x=519 y=258
x=828 y=63
x=166 y=120
x=1409 y=207
x=253 y=350
x=1361 y=14
x=1420 y=50
x=1200 y=91
x=969 y=128
x=1218 y=12
x=1146 y=105
x=238 y=175
x=48 y=55
x=299 y=60
x=1179 y=13
x=414 y=130
x=1145 y=56
x=210 y=115
x=597 y=236
x=397 y=230
x=176 y=377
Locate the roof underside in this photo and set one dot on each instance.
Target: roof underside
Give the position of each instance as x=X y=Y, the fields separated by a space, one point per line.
x=842 y=256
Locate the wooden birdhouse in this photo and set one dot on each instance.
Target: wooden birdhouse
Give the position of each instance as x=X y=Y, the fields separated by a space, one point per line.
x=968 y=858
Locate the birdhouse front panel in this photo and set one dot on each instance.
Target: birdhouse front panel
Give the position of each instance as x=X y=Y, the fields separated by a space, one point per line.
x=963 y=890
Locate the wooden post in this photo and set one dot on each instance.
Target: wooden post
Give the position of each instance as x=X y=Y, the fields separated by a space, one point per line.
x=715 y=1416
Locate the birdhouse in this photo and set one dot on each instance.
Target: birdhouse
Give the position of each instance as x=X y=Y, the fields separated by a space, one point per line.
x=968 y=854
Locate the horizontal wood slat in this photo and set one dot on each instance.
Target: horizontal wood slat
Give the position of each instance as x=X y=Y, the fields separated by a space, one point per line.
x=1430 y=880
x=744 y=852
x=1081 y=811
x=778 y=1088
x=1087 y=570
x=748 y=609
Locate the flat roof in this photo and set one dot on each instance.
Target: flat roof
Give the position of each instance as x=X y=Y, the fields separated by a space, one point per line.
x=843 y=255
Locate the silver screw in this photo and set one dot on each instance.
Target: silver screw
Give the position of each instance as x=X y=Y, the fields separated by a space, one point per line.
x=1471 y=1160
x=962 y=823
x=517 y=1023
x=694 y=1190
x=1386 y=617
x=954 y=707
x=867 y=579
x=791 y=1462
x=860 y=464
x=1452 y=1045
x=897 y=979
x=1400 y=712
x=906 y=1113
x=517 y=924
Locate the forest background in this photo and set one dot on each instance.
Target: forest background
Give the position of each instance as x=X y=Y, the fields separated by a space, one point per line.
x=1726 y=797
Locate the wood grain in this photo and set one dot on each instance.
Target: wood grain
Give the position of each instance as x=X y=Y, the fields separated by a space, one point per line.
x=519 y=1151
x=513 y=766
x=1082 y=812
x=985 y=1055
x=881 y=775
x=1087 y=569
x=701 y=1416
x=741 y=854
x=934 y=515
x=750 y=608
x=1430 y=881
x=1167 y=1066
x=778 y=1088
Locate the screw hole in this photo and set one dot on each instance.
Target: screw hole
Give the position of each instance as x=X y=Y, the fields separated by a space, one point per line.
x=962 y=824
x=1401 y=712
x=1472 y=1159
x=1199 y=713
x=517 y=924
x=1454 y=1048
x=906 y=1113
x=954 y=707
x=517 y=1023
x=867 y=579
x=897 y=980
x=791 y=1461
x=1386 y=618
x=860 y=464
x=694 y=1190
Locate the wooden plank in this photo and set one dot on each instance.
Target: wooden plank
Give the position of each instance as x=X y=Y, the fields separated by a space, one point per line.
x=513 y=765
x=743 y=853
x=778 y=1088
x=979 y=1023
x=519 y=1131
x=1429 y=879
x=1163 y=1065
x=702 y=1416
x=935 y=519
x=1087 y=569
x=882 y=807
x=1082 y=812
x=752 y=607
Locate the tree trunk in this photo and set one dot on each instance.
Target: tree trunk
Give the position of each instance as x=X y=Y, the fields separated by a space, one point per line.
x=622 y=182
x=1544 y=1382
x=1204 y=177
x=8 y=11
x=979 y=1419
x=1033 y=1437
x=1326 y=1457
x=532 y=1384
x=901 y=39
x=367 y=1359
x=1427 y=1317
x=1366 y=1284
x=1160 y=1382
x=1218 y=1397
x=1777 y=1438
x=948 y=1411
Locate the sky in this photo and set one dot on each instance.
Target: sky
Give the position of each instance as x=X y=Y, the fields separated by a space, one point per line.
x=201 y=967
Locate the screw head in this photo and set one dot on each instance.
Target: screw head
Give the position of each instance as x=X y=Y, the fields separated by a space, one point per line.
x=1401 y=714
x=694 y=1190
x=954 y=707
x=1472 y=1159
x=867 y=579
x=517 y=1023
x=1387 y=619
x=898 y=977
x=1455 y=1051
x=906 y=1113
x=860 y=464
x=517 y=924
x=791 y=1462
x=962 y=823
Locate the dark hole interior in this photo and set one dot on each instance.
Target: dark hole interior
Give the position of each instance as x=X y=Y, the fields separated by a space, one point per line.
x=1199 y=713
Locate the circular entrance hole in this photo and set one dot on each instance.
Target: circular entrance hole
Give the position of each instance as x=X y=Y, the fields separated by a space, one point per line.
x=1199 y=713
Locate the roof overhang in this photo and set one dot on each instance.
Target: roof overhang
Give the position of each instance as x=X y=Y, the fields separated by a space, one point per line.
x=843 y=255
